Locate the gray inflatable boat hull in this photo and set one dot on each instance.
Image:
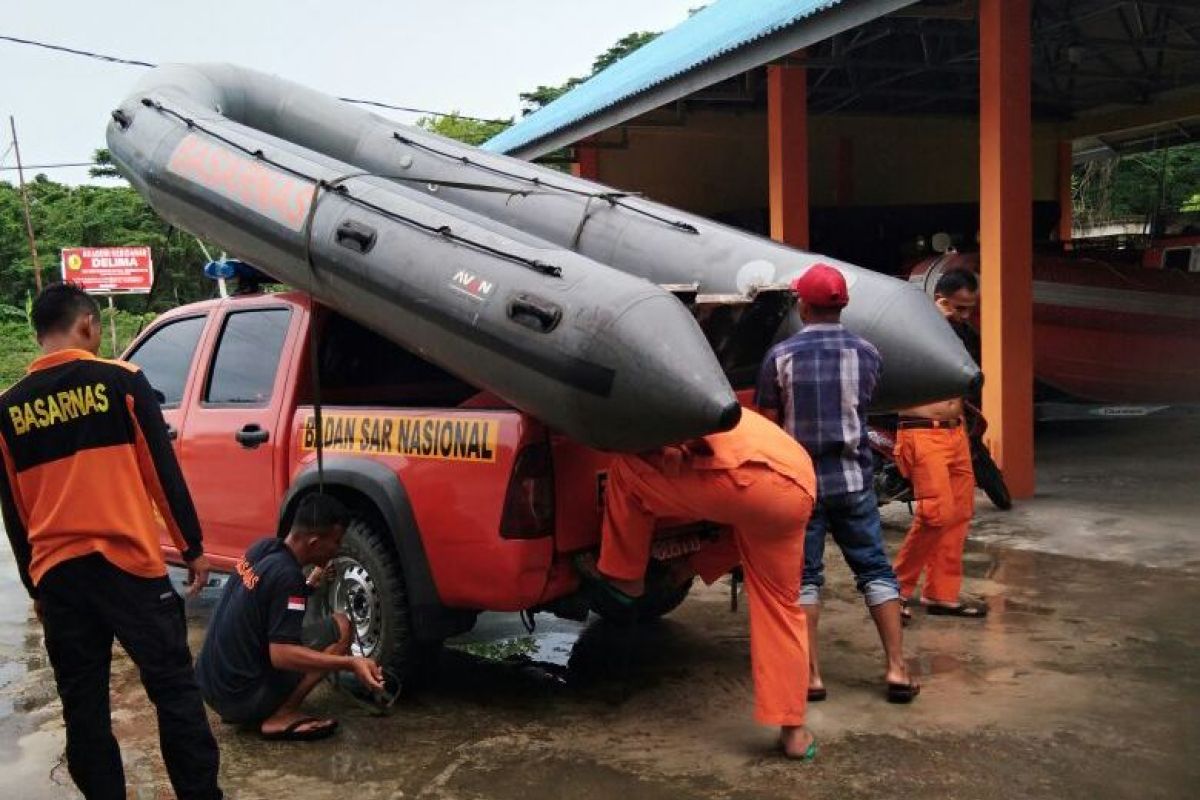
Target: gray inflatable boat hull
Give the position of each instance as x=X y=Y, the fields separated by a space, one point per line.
x=604 y=356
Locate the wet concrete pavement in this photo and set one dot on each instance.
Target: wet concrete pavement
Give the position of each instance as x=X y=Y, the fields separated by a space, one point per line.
x=1083 y=682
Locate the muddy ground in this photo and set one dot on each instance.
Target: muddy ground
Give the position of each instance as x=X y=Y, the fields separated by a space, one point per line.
x=1083 y=682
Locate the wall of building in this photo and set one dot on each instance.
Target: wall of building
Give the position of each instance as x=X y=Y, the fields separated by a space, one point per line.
x=715 y=163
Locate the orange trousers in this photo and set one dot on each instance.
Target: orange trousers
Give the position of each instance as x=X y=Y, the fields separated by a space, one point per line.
x=938 y=462
x=767 y=514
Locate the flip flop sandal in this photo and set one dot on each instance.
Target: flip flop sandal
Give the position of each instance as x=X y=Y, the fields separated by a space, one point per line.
x=817 y=695
x=967 y=610
x=585 y=564
x=292 y=733
x=902 y=692
x=807 y=757
x=906 y=615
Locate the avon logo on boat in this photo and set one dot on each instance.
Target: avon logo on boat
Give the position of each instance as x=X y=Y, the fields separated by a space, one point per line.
x=472 y=285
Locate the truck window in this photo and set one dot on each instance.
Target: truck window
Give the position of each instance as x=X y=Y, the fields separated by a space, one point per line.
x=243 y=370
x=166 y=357
x=360 y=367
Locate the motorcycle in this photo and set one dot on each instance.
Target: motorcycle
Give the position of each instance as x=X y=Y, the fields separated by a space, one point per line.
x=891 y=486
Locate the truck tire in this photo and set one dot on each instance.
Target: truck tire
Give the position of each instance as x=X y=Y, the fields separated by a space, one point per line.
x=659 y=600
x=657 y=603
x=367 y=584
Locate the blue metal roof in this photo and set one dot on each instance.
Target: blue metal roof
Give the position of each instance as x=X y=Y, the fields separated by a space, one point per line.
x=720 y=28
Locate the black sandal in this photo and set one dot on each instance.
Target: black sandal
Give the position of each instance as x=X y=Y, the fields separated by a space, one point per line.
x=585 y=565
x=818 y=694
x=292 y=733
x=902 y=692
x=966 y=610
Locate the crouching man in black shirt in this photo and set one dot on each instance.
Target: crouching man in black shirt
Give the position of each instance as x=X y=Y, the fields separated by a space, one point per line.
x=263 y=654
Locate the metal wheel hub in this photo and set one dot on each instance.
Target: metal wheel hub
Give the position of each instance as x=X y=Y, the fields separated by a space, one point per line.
x=354 y=593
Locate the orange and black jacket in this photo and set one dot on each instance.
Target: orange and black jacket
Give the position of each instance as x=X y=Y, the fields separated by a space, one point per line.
x=88 y=468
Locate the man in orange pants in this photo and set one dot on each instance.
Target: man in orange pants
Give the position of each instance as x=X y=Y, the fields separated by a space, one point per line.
x=932 y=451
x=757 y=480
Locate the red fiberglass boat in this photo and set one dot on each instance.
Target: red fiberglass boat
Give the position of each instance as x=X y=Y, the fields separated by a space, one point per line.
x=1111 y=326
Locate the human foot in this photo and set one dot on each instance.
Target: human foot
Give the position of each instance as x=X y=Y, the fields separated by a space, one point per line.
x=797 y=742
x=297 y=726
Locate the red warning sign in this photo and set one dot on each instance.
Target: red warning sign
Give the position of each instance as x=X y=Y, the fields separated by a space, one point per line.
x=109 y=270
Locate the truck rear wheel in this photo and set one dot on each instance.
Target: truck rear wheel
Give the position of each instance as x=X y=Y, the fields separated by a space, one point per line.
x=366 y=583
x=660 y=599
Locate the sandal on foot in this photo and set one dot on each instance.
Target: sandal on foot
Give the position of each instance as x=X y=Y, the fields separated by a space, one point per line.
x=292 y=733
x=968 y=610
x=585 y=565
x=818 y=694
x=902 y=692
x=807 y=757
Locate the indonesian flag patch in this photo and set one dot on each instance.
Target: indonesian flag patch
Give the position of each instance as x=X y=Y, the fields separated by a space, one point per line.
x=295 y=604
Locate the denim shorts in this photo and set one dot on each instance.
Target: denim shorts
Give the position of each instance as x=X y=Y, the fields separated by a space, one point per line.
x=853 y=521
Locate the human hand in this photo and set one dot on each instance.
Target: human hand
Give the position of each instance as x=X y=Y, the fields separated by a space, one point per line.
x=368 y=672
x=315 y=577
x=197 y=574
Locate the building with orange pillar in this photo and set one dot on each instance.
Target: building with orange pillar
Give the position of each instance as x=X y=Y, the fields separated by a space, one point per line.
x=862 y=128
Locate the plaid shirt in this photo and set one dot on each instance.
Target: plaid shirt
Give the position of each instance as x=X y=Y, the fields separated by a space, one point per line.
x=819 y=382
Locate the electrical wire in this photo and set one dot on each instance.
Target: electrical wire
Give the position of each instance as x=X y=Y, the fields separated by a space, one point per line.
x=133 y=62
x=60 y=165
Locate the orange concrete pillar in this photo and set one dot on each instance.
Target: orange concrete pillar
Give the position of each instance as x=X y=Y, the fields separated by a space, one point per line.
x=787 y=153
x=1006 y=236
x=1066 y=205
x=587 y=161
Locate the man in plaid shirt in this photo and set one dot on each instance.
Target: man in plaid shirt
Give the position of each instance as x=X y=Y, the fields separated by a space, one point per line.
x=817 y=384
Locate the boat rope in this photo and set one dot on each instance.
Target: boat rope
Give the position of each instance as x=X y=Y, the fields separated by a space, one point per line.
x=443 y=231
x=612 y=198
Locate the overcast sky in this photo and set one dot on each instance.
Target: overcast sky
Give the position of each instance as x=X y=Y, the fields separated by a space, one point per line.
x=471 y=56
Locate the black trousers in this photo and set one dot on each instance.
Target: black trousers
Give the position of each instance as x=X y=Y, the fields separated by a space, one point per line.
x=86 y=602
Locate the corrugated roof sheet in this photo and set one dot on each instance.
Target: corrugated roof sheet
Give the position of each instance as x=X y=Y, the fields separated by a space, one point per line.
x=720 y=28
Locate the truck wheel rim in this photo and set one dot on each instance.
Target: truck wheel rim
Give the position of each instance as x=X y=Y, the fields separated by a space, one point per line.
x=355 y=595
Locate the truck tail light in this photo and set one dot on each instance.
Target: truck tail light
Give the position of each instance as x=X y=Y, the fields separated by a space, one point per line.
x=529 y=504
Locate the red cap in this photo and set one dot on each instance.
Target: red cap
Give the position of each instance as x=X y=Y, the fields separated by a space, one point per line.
x=822 y=286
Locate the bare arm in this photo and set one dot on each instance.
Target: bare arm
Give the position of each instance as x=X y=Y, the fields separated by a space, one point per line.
x=298 y=658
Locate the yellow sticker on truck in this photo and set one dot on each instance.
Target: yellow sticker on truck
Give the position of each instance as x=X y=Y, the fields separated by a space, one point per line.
x=442 y=438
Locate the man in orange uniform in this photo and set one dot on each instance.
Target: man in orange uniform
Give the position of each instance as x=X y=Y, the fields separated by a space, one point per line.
x=933 y=452
x=757 y=480
x=88 y=480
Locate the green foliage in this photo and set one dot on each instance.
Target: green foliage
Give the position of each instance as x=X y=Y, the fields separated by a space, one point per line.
x=18 y=347
x=1137 y=185
x=463 y=129
x=545 y=95
x=94 y=216
x=104 y=165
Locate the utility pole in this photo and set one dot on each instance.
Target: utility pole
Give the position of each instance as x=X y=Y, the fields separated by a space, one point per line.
x=37 y=269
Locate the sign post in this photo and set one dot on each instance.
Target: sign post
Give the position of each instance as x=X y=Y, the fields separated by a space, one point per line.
x=109 y=271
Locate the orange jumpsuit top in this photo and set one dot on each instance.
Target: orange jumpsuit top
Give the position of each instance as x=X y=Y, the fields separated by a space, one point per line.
x=755 y=440
x=88 y=468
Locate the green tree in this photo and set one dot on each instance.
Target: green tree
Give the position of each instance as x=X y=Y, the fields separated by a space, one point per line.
x=463 y=129
x=105 y=168
x=545 y=95
x=94 y=216
x=1139 y=185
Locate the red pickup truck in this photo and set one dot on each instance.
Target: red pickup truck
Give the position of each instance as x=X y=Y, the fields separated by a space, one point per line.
x=461 y=504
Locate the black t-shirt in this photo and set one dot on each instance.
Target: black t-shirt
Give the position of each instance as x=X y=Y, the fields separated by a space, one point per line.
x=263 y=602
